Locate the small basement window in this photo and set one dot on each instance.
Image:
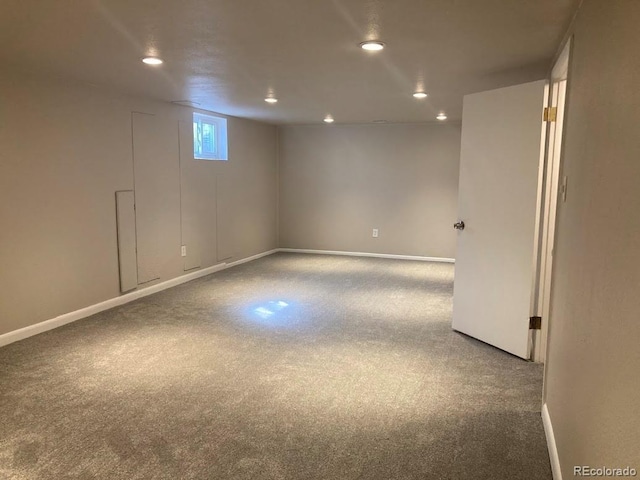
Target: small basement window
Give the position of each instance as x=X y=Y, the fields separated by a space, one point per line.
x=209 y=137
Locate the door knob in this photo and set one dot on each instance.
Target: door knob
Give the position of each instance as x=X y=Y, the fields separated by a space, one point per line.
x=459 y=225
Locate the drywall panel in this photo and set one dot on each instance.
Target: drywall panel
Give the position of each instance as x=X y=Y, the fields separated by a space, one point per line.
x=58 y=193
x=250 y=180
x=226 y=235
x=246 y=191
x=339 y=182
x=157 y=191
x=198 y=203
x=126 y=223
x=592 y=382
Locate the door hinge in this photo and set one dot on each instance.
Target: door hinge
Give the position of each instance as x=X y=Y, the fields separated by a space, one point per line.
x=535 y=323
x=549 y=114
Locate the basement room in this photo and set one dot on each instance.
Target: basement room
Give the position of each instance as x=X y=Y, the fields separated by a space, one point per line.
x=319 y=239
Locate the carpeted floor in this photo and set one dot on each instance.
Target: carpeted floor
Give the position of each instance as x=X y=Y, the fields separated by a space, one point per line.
x=288 y=367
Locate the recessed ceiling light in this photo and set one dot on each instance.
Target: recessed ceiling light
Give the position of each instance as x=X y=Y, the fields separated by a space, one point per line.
x=372 y=45
x=328 y=120
x=271 y=100
x=441 y=116
x=379 y=121
x=420 y=95
x=152 y=61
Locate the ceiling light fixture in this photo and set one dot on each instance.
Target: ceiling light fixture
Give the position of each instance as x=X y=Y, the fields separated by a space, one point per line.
x=271 y=100
x=328 y=119
x=420 y=95
x=152 y=61
x=372 y=45
x=442 y=116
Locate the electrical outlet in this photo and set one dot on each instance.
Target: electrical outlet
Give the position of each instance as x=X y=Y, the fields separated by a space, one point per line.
x=183 y=250
x=375 y=233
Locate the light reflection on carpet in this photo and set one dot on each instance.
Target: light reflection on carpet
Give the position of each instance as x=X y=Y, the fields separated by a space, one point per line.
x=274 y=313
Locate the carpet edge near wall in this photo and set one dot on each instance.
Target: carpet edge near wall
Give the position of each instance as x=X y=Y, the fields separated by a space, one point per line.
x=75 y=315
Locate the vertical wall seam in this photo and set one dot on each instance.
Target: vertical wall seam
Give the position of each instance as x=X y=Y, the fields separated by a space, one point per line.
x=278 y=187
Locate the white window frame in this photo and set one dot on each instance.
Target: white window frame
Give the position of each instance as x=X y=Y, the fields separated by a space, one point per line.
x=219 y=125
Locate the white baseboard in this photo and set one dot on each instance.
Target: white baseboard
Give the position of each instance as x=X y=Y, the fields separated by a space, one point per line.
x=70 y=317
x=364 y=254
x=46 y=325
x=551 y=444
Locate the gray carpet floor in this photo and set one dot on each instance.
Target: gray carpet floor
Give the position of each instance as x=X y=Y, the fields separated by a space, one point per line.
x=288 y=367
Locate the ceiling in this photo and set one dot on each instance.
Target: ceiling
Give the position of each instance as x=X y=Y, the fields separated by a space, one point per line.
x=228 y=55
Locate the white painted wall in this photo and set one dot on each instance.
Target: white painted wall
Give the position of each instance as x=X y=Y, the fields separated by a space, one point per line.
x=66 y=149
x=592 y=380
x=339 y=182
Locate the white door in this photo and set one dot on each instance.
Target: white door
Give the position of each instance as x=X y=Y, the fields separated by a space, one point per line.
x=498 y=198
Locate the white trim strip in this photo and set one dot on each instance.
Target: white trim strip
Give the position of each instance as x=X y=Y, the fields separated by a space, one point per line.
x=70 y=317
x=46 y=325
x=551 y=444
x=364 y=254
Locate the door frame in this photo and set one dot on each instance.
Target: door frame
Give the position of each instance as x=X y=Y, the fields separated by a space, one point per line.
x=550 y=201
